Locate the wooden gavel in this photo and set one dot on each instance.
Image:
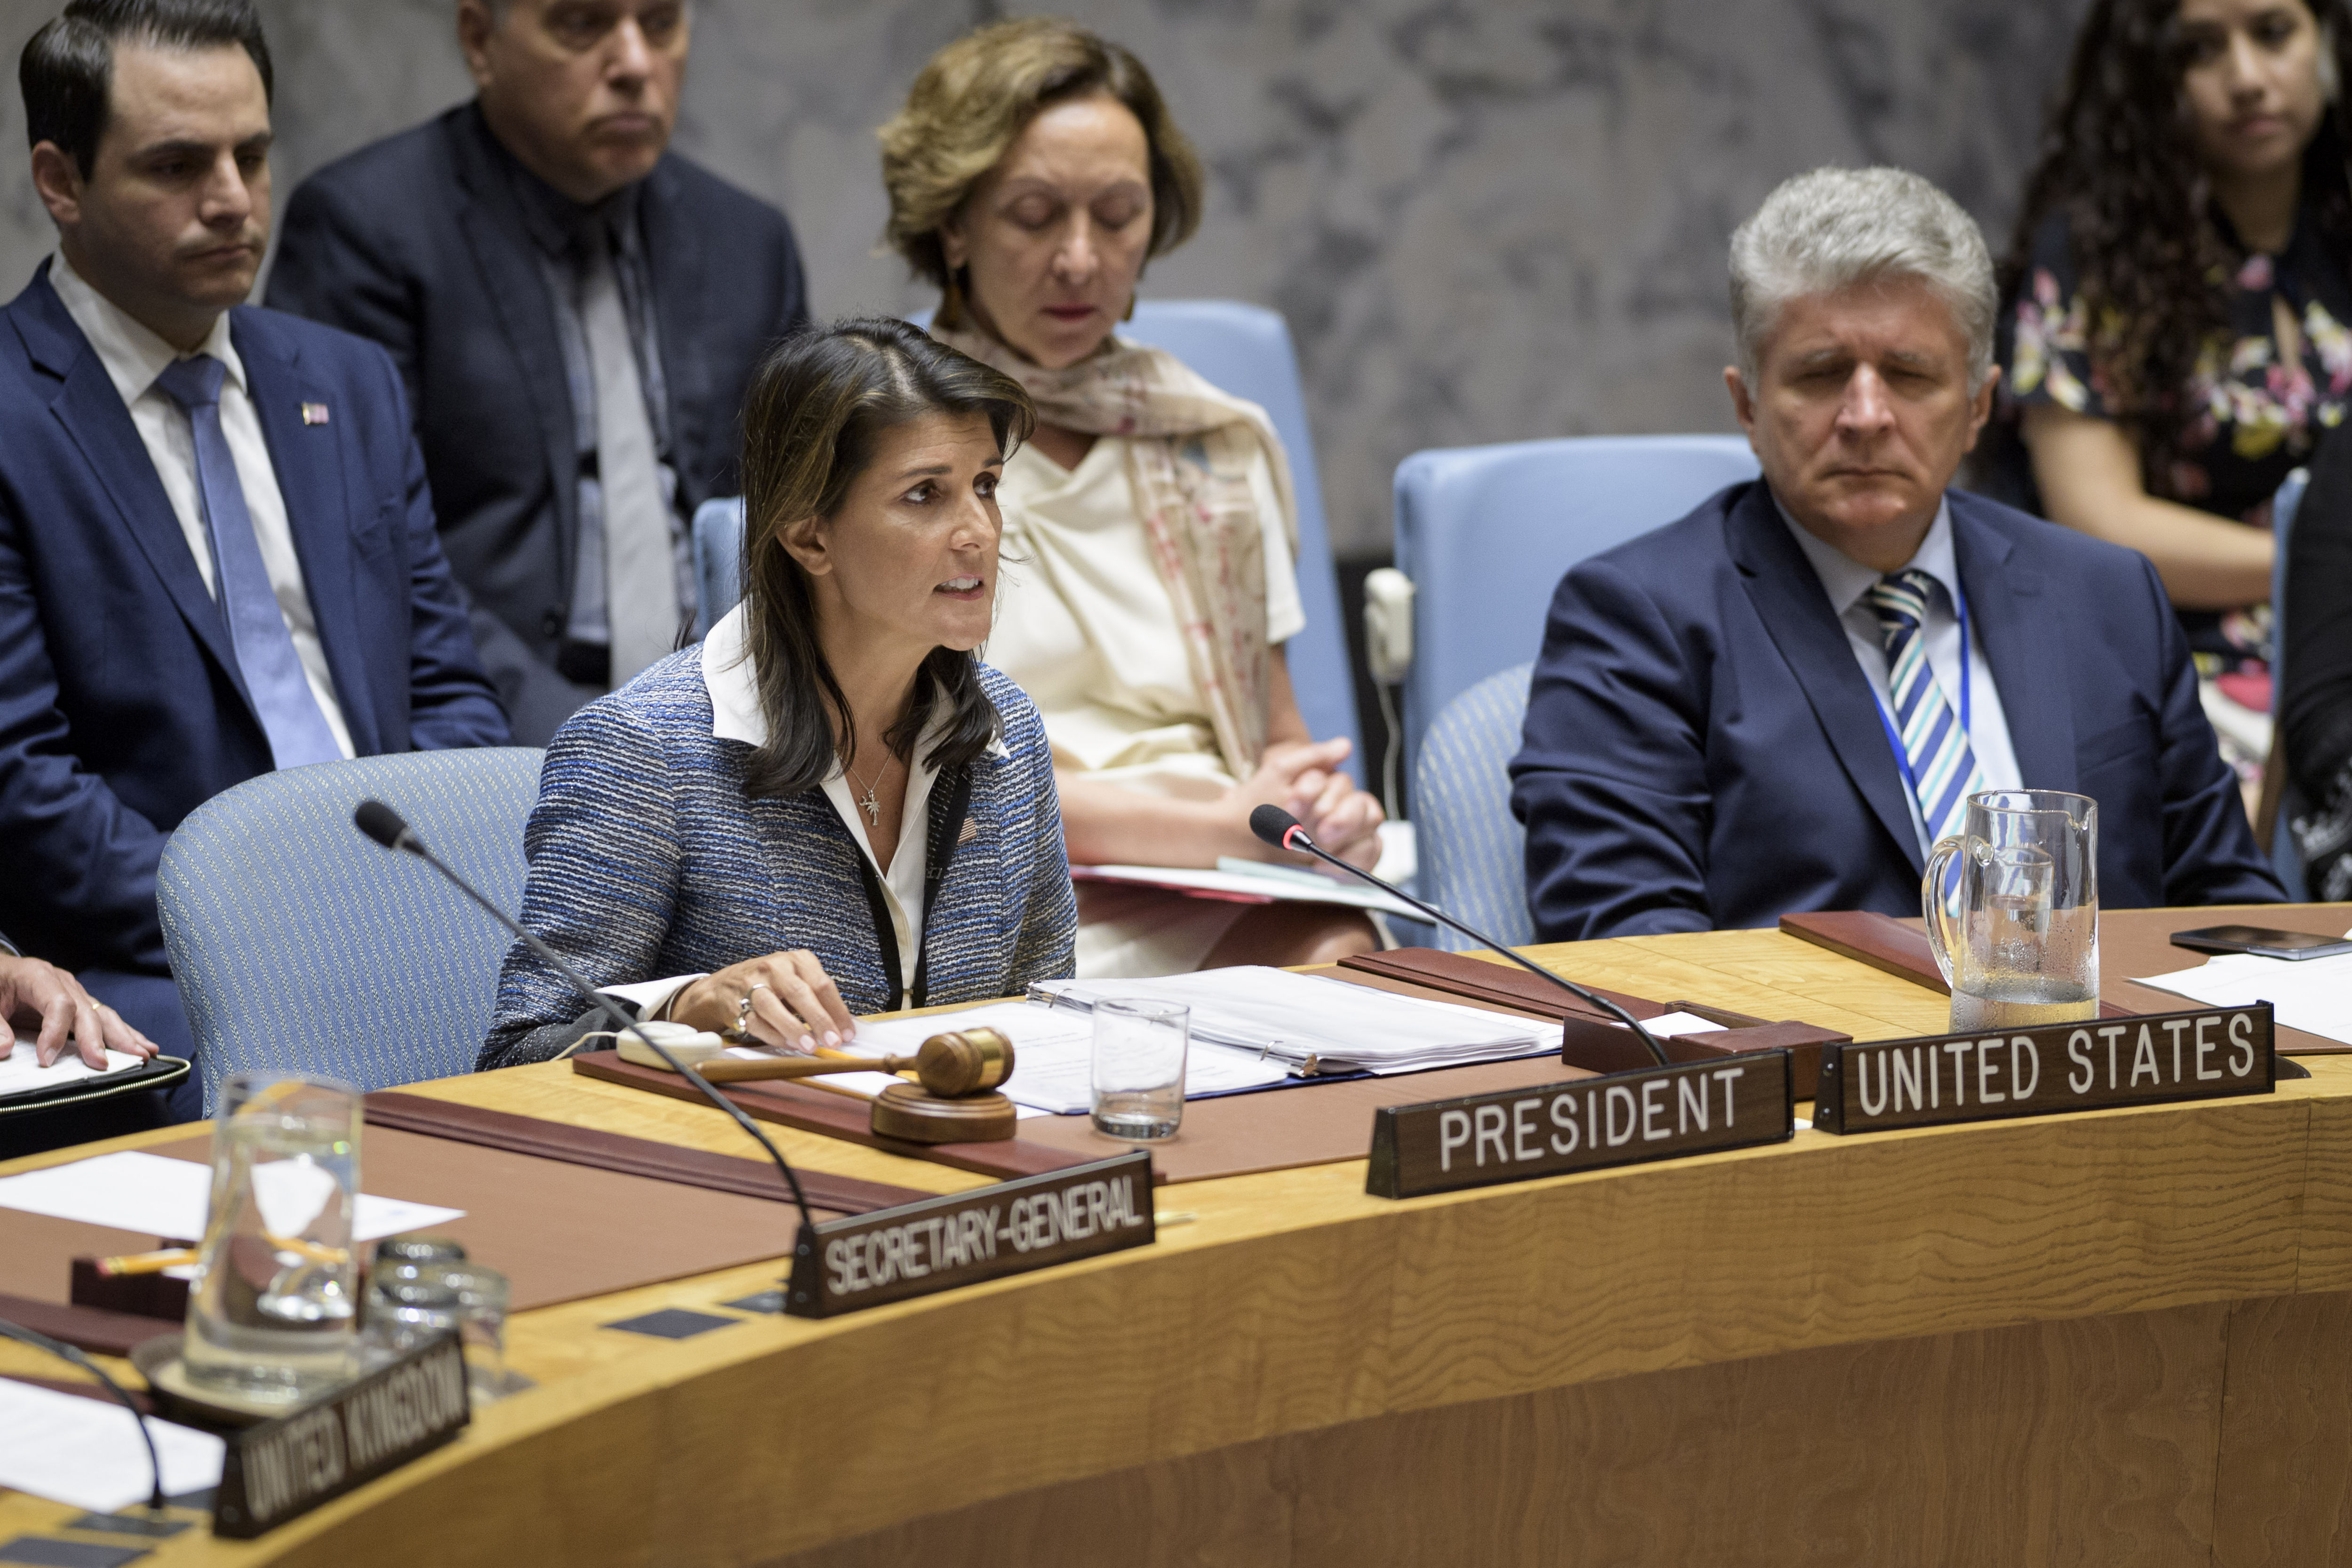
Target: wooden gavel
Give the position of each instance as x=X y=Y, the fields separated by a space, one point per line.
x=949 y=1066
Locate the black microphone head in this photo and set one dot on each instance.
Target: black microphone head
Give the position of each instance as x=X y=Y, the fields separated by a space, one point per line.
x=1273 y=825
x=378 y=822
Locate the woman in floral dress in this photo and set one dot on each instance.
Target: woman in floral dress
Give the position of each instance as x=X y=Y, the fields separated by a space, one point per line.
x=2176 y=340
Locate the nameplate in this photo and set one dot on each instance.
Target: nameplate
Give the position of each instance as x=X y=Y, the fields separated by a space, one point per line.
x=284 y=1468
x=939 y=1243
x=1870 y=1086
x=1620 y=1119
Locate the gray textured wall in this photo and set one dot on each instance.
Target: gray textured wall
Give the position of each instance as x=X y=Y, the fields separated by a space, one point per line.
x=1487 y=220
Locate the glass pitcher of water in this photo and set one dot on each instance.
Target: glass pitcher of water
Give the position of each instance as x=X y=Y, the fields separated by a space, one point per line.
x=272 y=1317
x=2013 y=908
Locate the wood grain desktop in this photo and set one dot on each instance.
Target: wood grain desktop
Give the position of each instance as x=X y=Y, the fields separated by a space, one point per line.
x=2120 y=1337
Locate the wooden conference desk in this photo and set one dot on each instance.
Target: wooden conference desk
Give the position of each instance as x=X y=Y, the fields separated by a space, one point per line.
x=2125 y=1336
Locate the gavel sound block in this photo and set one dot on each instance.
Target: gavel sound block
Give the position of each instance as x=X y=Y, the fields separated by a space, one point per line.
x=953 y=1102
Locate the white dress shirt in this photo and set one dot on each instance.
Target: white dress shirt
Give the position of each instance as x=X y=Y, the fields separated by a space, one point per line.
x=133 y=357
x=1847 y=580
x=735 y=715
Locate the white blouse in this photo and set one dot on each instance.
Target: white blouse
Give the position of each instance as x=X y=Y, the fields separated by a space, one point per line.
x=1084 y=625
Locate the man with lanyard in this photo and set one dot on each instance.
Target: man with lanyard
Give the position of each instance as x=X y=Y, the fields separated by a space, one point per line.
x=1781 y=701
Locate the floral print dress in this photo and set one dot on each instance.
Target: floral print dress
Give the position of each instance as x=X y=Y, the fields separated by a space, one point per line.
x=2253 y=415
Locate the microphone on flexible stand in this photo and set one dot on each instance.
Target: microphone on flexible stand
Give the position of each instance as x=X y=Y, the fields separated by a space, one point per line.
x=1279 y=828
x=383 y=825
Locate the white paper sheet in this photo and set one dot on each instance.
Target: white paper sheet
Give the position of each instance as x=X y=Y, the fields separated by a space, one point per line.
x=87 y=1455
x=22 y=1072
x=153 y=1195
x=1340 y=1026
x=1279 y=882
x=2314 y=995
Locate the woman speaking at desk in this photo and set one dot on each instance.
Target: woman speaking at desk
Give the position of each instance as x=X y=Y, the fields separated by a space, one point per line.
x=830 y=806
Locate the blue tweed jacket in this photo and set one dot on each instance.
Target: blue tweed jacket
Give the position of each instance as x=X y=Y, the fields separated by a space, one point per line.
x=648 y=858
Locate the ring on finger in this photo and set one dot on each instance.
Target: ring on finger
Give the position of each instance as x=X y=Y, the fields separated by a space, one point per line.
x=743 y=1008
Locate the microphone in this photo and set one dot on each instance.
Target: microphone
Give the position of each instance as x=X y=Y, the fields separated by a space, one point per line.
x=383 y=825
x=1278 y=828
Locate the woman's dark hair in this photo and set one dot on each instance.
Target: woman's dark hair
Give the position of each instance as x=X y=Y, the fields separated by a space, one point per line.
x=67 y=68
x=2119 y=161
x=817 y=408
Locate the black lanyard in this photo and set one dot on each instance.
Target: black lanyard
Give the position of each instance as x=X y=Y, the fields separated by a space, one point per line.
x=948 y=808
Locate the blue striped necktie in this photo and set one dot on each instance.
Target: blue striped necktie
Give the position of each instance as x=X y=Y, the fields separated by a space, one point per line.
x=256 y=628
x=1944 y=771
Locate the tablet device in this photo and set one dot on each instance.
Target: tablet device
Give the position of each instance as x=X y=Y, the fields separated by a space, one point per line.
x=2260 y=942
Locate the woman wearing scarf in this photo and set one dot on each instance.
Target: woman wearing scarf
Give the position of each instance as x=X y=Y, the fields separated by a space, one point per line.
x=1149 y=527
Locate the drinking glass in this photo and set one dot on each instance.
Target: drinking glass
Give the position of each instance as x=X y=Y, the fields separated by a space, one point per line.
x=423 y=1290
x=1138 y=1068
x=2013 y=908
x=272 y=1318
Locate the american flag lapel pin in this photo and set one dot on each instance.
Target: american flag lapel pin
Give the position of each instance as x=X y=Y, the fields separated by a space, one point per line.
x=314 y=413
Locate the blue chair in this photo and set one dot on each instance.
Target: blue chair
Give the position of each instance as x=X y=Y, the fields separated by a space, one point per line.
x=300 y=945
x=1487 y=533
x=2287 y=858
x=718 y=561
x=1472 y=850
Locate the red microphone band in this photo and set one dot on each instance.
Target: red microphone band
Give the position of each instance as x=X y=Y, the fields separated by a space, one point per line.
x=1295 y=830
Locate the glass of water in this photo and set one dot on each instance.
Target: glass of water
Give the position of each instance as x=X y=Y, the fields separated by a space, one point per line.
x=272 y=1318
x=1138 y=1068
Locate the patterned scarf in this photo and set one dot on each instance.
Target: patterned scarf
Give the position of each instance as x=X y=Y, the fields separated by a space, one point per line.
x=1189 y=451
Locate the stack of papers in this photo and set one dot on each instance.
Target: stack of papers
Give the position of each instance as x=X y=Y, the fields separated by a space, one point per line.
x=2314 y=995
x=1312 y=1025
x=1252 y=1028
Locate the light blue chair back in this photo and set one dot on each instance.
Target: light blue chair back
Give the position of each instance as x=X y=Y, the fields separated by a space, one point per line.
x=2286 y=859
x=1487 y=533
x=718 y=561
x=302 y=946
x=1472 y=851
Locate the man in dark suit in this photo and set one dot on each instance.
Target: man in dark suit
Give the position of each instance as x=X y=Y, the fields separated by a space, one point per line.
x=577 y=314
x=1780 y=703
x=216 y=548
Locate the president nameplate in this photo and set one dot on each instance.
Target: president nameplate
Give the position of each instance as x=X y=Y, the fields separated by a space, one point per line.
x=283 y=1469
x=1871 y=1086
x=939 y=1243
x=1590 y=1124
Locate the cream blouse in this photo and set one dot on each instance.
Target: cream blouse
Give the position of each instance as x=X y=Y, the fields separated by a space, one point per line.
x=1084 y=625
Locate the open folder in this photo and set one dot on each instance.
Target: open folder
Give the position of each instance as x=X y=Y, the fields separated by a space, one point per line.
x=1251 y=1029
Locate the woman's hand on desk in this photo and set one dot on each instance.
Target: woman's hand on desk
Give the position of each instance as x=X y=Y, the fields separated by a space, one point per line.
x=43 y=998
x=794 y=1004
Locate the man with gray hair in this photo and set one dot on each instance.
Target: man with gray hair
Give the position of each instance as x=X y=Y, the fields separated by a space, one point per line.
x=1780 y=703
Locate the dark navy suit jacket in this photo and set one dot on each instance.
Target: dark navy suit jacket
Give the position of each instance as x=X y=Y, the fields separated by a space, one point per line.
x=121 y=706
x=417 y=243
x=1702 y=750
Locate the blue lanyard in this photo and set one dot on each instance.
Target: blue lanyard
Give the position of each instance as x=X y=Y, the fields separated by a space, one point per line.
x=1887 y=720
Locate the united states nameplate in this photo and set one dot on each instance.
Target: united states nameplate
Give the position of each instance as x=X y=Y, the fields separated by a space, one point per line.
x=1869 y=1085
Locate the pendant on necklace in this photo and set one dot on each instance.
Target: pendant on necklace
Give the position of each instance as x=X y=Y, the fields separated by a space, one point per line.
x=873 y=808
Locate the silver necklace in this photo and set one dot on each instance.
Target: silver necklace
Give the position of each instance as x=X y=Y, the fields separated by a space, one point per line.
x=865 y=801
